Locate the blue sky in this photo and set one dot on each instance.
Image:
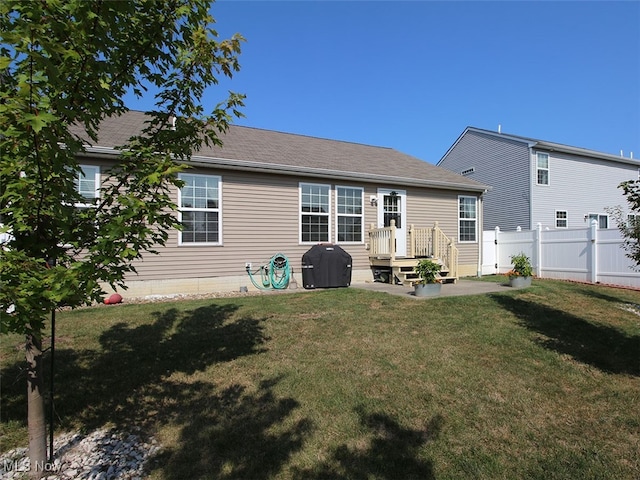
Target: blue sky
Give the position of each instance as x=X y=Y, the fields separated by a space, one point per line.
x=412 y=75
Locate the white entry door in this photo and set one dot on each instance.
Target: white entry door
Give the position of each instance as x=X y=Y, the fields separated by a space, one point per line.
x=392 y=206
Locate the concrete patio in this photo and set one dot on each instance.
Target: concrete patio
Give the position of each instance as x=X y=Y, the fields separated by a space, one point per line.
x=461 y=287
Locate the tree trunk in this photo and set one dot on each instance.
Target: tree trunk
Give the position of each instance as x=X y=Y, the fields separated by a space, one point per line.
x=35 y=405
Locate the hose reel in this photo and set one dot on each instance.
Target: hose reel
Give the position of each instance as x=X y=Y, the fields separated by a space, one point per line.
x=274 y=275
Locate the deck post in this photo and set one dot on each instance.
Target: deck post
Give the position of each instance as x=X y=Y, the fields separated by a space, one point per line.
x=453 y=258
x=412 y=242
x=392 y=239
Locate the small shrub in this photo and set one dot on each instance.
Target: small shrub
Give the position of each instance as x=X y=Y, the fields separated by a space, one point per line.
x=521 y=266
x=428 y=270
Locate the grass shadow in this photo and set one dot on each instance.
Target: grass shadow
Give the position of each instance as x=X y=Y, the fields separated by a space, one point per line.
x=606 y=348
x=115 y=383
x=147 y=375
x=230 y=433
x=392 y=453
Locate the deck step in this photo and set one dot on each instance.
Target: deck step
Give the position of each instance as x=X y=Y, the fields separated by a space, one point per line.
x=403 y=270
x=409 y=277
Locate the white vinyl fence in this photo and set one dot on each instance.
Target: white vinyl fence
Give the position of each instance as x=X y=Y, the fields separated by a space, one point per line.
x=585 y=254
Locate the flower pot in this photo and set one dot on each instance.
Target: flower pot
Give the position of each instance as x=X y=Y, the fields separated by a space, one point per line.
x=519 y=282
x=427 y=289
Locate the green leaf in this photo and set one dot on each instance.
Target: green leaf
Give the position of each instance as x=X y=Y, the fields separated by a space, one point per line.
x=38 y=121
x=4 y=62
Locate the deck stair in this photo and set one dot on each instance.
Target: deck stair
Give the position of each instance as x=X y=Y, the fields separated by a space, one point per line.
x=423 y=242
x=406 y=274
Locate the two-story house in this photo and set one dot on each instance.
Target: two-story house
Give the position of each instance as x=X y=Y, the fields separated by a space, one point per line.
x=535 y=181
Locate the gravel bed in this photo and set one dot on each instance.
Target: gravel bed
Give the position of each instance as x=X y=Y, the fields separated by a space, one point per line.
x=101 y=455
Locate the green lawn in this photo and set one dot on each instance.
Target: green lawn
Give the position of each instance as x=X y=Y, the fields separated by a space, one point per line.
x=349 y=384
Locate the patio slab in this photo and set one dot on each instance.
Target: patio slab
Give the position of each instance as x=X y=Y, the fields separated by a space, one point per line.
x=461 y=287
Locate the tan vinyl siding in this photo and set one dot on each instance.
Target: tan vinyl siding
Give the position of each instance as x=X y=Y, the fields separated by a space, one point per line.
x=260 y=217
x=426 y=206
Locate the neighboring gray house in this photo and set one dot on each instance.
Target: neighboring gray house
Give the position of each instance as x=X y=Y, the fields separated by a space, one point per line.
x=267 y=192
x=534 y=181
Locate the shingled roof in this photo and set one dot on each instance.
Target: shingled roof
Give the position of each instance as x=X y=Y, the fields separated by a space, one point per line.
x=254 y=149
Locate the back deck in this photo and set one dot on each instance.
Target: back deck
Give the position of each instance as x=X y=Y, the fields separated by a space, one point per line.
x=428 y=242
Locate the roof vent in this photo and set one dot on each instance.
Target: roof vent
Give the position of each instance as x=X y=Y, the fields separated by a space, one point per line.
x=172 y=121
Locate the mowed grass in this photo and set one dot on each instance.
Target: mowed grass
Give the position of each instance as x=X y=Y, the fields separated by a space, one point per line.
x=349 y=384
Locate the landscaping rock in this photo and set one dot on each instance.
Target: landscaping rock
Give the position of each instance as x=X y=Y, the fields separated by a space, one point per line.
x=102 y=455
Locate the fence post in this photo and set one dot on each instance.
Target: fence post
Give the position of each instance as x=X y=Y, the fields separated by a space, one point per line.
x=592 y=255
x=537 y=249
x=497 y=249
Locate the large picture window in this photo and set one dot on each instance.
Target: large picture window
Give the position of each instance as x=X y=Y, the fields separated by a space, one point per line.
x=349 y=211
x=542 y=168
x=200 y=209
x=315 y=209
x=467 y=219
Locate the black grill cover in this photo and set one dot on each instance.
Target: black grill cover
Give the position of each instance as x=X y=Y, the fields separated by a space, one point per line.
x=326 y=266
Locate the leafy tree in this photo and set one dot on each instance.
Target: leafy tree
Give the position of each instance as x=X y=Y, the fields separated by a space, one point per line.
x=630 y=229
x=65 y=65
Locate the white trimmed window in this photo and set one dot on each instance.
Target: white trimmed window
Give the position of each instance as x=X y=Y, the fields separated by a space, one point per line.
x=88 y=185
x=467 y=219
x=199 y=201
x=88 y=182
x=562 y=219
x=633 y=220
x=349 y=212
x=315 y=208
x=603 y=220
x=542 y=168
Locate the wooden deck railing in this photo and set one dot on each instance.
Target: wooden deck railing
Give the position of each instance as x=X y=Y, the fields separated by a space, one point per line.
x=423 y=242
x=383 y=241
x=445 y=250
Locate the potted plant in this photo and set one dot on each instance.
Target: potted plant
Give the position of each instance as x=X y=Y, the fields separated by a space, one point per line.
x=429 y=283
x=522 y=271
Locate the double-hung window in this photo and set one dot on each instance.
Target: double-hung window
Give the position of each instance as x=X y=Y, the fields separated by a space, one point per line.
x=542 y=168
x=199 y=202
x=603 y=220
x=349 y=212
x=315 y=208
x=88 y=184
x=467 y=219
x=562 y=220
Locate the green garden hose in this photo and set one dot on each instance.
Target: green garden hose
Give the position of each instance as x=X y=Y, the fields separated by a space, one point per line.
x=275 y=274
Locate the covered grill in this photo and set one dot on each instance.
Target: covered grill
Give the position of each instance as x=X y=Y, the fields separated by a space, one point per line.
x=326 y=266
